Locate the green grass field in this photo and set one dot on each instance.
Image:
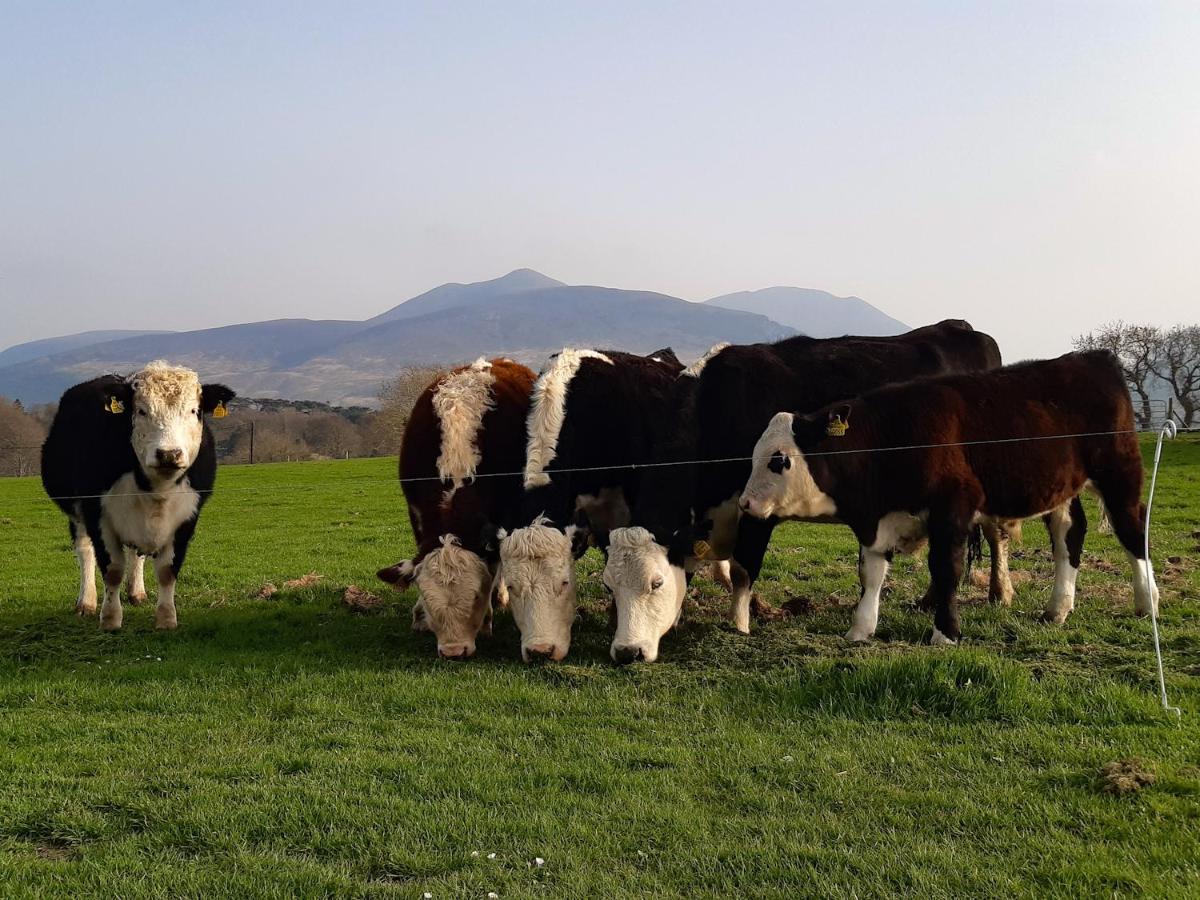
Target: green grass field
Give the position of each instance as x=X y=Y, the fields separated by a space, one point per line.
x=288 y=746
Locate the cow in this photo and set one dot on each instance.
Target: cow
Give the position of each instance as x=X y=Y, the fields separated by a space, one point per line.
x=131 y=461
x=460 y=463
x=593 y=416
x=687 y=510
x=935 y=455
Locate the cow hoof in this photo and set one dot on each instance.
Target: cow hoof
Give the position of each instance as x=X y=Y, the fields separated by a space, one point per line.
x=109 y=625
x=1054 y=618
x=137 y=599
x=1000 y=599
x=858 y=636
x=166 y=625
x=85 y=609
x=940 y=640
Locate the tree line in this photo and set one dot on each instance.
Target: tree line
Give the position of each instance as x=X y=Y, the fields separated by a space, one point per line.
x=1166 y=359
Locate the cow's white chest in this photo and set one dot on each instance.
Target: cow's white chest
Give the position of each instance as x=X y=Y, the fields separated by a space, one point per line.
x=724 y=528
x=147 y=520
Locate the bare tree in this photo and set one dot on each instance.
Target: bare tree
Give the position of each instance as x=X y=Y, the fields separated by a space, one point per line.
x=21 y=437
x=397 y=398
x=1177 y=362
x=1135 y=347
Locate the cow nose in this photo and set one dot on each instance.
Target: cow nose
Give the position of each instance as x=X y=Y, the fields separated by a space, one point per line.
x=453 y=651
x=744 y=503
x=539 y=651
x=172 y=457
x=627 y=655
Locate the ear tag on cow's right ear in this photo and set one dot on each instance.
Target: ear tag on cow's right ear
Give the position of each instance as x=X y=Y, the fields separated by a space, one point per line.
x=220 y=412
x=701 y=549
x=837 y=427
x=114 y=406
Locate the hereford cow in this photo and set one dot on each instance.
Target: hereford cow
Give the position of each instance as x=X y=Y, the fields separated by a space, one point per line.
x=593 y=415
x=460 y=464
x=1017 y=442
x=687 y=512
x=131 y=462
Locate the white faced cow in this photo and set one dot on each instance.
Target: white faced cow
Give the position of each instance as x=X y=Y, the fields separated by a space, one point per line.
x=131 y=462
x=460 y=459
x=593 y=415
x=937 y=455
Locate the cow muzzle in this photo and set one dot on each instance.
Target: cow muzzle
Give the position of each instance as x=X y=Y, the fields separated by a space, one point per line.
x=457 y=652
x=169 y=458
x=760 y=509
x=625 y=655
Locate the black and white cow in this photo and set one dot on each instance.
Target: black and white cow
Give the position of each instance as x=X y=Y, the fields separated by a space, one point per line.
x=592 y=415
x=723 y=401
x=131 y=461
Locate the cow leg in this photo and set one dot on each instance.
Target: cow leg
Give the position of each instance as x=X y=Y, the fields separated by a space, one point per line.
x=872 y=570
x=753 y=536
x=135 y=577
x=721 y=573
x=947 y=551
x=1000 y=589
x=165 y=618
x=111 y=614
x=85 y=554
x=1128 y=522
x=1067 y=526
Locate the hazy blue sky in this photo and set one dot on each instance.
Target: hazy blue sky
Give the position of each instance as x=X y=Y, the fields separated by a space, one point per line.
x=1032 y=167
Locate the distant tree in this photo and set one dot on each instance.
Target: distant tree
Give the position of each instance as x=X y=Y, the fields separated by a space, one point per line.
x=329 y=434
x=397 y=397
x=1135 y=347
x=21 y=437
x=1177 y=362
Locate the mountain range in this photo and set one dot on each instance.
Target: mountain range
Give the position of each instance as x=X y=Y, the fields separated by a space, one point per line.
x=524 y=315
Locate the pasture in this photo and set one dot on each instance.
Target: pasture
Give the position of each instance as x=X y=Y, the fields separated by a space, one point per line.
x=289 y=746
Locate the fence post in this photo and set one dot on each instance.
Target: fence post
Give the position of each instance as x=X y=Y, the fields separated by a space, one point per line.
x=251 y=442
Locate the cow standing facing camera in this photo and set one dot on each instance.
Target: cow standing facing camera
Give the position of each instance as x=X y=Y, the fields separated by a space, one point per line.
x=131 y=461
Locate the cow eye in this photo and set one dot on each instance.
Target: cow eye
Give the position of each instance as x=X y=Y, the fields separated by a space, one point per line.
x=656 y=583
x=141 y=412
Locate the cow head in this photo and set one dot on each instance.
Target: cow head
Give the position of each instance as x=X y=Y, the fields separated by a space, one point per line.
x=537 y=563
x=781 y=483
x=647 y=581
x=456 y=594
x=167 y=405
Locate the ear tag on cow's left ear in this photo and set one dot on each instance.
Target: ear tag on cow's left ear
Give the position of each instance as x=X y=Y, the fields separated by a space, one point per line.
x=114 y=406
x=701 y=549
x=220 y=412
x=837 y=427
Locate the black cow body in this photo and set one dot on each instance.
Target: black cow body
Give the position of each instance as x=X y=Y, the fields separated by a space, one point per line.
x=119 y=511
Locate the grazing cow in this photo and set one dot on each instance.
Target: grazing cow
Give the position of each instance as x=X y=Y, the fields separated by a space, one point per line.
x=460 y=463
x=131 y=461
x=1012 y=443
x=723 y=401
x=593 y=415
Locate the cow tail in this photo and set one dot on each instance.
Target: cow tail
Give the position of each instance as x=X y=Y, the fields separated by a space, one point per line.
x=974 y=551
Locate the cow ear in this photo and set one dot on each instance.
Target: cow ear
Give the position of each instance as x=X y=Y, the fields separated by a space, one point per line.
x=838 y=421
x=489 y=541
x=579 y=533
x=214 y=397
x=118 y=401
x=400 y=576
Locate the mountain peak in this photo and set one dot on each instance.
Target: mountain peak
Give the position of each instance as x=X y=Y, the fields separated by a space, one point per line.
x=455 y=294
x=813 y=312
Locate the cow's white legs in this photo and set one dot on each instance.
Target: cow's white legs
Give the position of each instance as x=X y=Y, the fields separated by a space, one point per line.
x=111 y=613
x=85 y=553
x=164 y=611
x=739 y=604
x=721 y=573
x=1062 y=599
x=872 y=570
x=1145 y=591
x=135 y=577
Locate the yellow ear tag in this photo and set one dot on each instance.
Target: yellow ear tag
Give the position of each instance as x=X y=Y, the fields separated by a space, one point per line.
x=701 y=549
x=220 y=412
x=836 y=427
x=114 y=406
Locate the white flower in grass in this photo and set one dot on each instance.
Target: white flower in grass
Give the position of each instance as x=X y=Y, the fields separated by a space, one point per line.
x=538 y=862
x=491 y=856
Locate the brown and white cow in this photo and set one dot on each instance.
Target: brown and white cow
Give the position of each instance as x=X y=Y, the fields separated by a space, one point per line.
x=460 y=463
x=936 y=455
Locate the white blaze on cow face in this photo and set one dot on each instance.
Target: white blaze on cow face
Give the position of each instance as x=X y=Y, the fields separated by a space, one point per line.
x=167 y=425
x=780 y=482
x=456 y=587
x=647 y=591
x=538 y=569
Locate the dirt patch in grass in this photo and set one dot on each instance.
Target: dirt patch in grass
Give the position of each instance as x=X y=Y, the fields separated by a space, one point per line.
x=357 y=600
x=1124 y=776
x=56 y=851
